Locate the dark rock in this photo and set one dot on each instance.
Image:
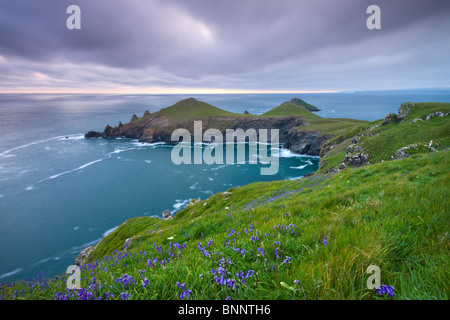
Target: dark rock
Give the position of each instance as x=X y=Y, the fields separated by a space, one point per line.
x=166 y=215
x=83 y=257
x=146 y=113
x=436 y=114
x=246 y=112
x=306 y=141
x=93 y=134
x=390 y=118
x=404 y=110
x=356 y=159
x=134 y=117
x=356 y=139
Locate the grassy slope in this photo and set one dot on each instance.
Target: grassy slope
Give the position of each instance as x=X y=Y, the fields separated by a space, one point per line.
x=392 y=214
x=332 y=126
x=385 y=140
x=289 y=109
x=191 y=108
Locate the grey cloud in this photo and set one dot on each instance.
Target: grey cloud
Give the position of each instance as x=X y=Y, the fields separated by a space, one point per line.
x=249 y=44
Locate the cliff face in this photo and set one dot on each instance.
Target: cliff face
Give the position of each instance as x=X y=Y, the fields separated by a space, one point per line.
x=306 y=141
x=302 y=142
x=158 y=127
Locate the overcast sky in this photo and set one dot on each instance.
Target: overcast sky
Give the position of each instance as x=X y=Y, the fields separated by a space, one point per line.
x=200 y=46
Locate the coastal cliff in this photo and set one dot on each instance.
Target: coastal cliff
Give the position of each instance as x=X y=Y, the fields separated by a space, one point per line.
x=158 y=126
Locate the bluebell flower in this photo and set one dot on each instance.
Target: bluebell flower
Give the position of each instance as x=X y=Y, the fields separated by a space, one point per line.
x=185 y=294
x=276 y=253
x=125 y=295
x=386 y=289
x=261 y=250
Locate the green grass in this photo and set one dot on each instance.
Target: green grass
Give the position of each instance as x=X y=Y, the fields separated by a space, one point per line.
x=382 y=141
x=392 y=214
x=290 y=109
x=193 y=109
x=333 y=126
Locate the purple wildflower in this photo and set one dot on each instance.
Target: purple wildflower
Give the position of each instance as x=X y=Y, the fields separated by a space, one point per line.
x=287 y=260
x=125 y=280
x=386 y=289
x=325 y=240
x=276 y=253
x=125 y=295
x=181 y=285
x=145 y=282
x=261 y=250
x=185 y=294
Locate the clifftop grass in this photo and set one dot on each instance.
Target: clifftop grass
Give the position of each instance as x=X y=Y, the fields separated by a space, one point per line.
x=310 y=238
x=317 y=235
x=421 y=126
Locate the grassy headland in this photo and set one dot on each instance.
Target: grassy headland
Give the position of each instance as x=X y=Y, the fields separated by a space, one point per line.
x=311 y=238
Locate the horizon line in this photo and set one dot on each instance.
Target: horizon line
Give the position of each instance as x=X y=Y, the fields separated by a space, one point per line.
x=176 y=91
x=168 y=91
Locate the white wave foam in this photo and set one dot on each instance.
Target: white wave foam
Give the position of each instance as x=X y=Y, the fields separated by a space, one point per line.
x=5 y=153
x=78 y=136
x=286 y=153
x=193 y=186
x=299 y=167
x=117 y=151
x=179 y=203
x=140 y=144
x=11 y=273
x=222 y=166
x=70 y=171
x=148 y=161
x=29 y=188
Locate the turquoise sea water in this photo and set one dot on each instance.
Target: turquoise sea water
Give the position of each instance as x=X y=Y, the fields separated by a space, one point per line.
x=60 y=193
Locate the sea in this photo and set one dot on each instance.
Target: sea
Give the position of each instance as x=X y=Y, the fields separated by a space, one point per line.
x=60 y=192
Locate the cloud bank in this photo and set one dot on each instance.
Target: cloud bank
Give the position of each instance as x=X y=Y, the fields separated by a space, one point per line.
x=249 y=45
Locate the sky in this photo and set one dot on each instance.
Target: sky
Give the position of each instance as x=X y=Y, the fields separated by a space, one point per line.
x=223 y=46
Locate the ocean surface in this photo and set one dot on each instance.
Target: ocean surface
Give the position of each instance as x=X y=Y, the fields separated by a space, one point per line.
x=60 y=193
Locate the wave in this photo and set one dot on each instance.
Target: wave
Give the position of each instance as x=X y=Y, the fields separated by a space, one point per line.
x=193 y=186
x=223 y=166
x=11 y=273
x=6 y=152
x=179 y=203
x=141 y=144
x=78 y=136
x=299 y=167
x=70 y=171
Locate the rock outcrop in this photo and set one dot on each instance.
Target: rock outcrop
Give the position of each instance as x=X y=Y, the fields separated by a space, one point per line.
x=166 y=215
x=307 y=142
x=158 y=126
x=83 y=256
